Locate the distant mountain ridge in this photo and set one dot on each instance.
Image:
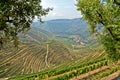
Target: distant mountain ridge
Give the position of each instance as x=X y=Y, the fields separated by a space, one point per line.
x=64 y=27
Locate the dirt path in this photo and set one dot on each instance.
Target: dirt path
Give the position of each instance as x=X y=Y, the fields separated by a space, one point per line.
x=112 y=76
x=4 y=78
x=90 y=73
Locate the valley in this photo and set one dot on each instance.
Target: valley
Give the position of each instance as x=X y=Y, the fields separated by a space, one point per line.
x=51 y=52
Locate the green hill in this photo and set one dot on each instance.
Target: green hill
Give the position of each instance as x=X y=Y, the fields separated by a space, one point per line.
x=65 y=27
x=37 y=35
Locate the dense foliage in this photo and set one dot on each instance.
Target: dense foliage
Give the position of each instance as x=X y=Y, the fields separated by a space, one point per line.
x=16 y=17
x=104 y=19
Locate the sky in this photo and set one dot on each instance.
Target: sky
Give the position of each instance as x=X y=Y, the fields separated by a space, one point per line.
x=62 y=9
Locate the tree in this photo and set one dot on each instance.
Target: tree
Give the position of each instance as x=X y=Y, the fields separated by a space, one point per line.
x=16 y=17
x=103 y=16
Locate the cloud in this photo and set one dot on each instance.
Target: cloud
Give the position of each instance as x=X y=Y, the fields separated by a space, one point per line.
x=55 y=14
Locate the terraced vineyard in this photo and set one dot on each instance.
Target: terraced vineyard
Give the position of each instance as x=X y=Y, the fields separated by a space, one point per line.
x=30 y=58
x=33 y=61
x=89 y=68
